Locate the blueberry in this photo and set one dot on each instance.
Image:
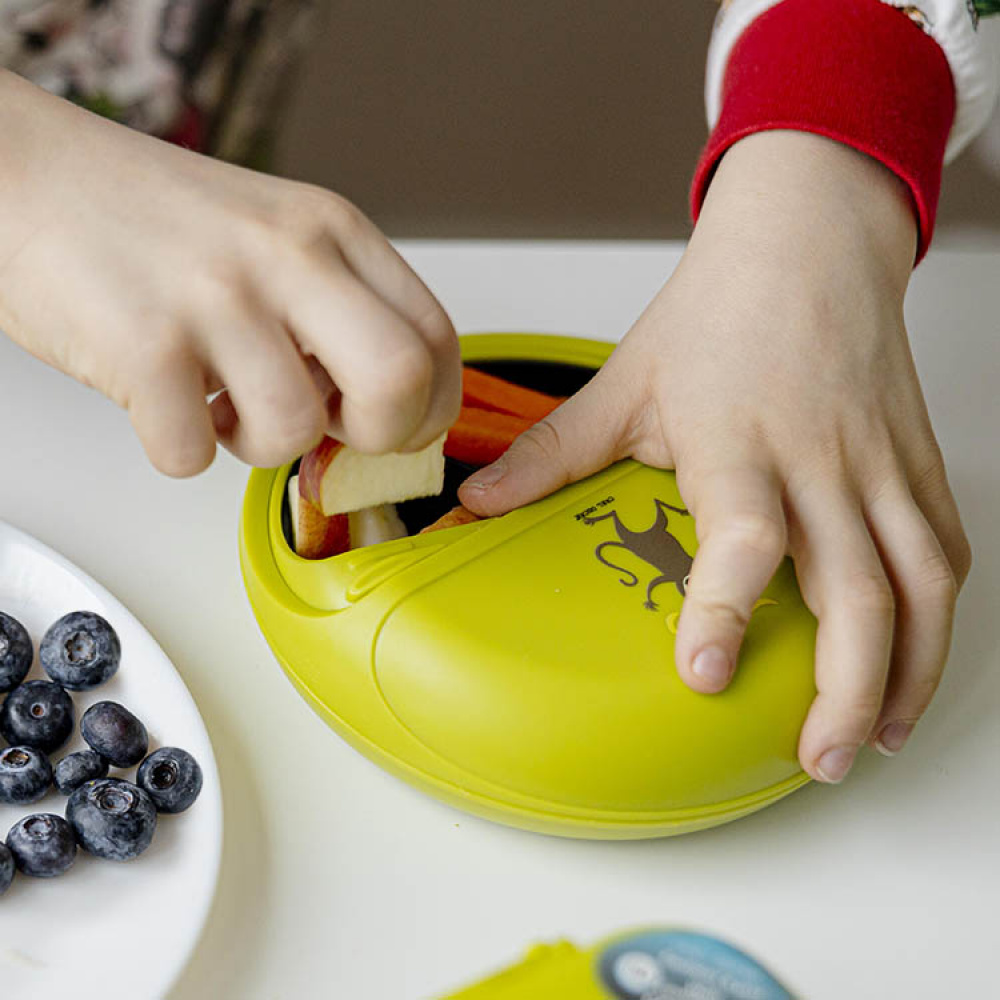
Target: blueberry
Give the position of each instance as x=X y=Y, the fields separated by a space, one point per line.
x=25 y=775
x=6 y=868
x=172 y=778
x=112 y=819
x=115 y=733
x=76 y=768
x=80 y=651
x=15 y=652
x=37 y=714
x=42 y=844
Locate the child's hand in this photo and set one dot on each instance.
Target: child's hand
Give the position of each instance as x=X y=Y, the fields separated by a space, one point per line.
x=158 y=276
x=773 y=372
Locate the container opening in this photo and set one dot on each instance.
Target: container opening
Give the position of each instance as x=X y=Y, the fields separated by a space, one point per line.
x=553 y=377
x=544 y=376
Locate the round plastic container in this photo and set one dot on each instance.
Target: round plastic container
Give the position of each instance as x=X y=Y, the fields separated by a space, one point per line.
x=521 y=668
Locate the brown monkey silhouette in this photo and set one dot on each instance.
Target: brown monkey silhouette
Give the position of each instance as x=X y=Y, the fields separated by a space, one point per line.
x=655 y=545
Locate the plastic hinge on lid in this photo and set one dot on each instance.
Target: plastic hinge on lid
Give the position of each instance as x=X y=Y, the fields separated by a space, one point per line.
x=384 y=567
x=372 y=566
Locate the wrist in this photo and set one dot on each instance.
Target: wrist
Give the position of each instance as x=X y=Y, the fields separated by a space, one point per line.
x=31 y=146
x=800 y=196
x=858 y=71
x=22 y=122
x=52 y=153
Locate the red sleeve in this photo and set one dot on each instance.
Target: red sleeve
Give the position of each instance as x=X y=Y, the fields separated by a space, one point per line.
x=858 y=71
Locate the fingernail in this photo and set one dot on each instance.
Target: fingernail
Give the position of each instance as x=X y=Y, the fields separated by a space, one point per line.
x=485 y=478
x=892 y=738
x=834 y=764
x=712 y=665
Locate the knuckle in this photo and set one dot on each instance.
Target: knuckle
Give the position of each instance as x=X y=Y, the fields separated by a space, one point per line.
x=292 y=430
x=869 y=592
x=450 y=405
x=860 y=709
x=404 y=373
x=218 y=292
x=256 y=233
x=158 y=350
x=930 y=479
x=882 y=483
x=437 y=328
x=823 y=460
x=761 y=533
x=542 y=438
x=343 y=216
x=314 y=211
x=859 y=702
x=723 y=614
x=305 y=218
x=962 y=564
x=935 y=581
x=542 y=443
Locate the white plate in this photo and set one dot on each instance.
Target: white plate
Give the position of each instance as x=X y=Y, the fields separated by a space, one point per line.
x=104 y=929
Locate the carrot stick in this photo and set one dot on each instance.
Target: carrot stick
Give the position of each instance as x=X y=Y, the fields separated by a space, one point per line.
x=456 y=516
x=488 y=392
x=481 y=436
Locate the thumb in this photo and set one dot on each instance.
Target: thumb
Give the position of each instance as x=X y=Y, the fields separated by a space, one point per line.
x=584 y=435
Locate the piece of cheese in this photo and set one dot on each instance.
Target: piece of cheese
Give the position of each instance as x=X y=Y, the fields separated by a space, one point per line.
x=372 y=525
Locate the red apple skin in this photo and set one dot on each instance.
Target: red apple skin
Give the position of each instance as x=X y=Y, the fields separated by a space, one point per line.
x=313 y=467
x=319 y=536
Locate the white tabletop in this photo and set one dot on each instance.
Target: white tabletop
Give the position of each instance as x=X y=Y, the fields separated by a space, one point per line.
x=339 y=881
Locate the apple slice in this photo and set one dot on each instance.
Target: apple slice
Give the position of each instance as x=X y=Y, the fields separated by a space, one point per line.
x=315 y=536
x=339 y=479
x=375 y=524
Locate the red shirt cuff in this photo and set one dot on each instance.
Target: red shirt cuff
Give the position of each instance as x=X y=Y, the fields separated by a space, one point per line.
x=858 y=71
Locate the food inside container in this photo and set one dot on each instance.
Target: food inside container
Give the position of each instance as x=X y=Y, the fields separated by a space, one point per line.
x=500 y=400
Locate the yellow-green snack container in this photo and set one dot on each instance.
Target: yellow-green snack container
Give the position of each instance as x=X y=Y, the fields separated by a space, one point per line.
x=646 y=964
x=521 y=668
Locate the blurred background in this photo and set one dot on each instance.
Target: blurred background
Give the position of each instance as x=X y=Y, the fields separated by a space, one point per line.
x=552 y=118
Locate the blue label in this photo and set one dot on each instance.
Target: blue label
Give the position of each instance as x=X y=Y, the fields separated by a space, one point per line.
x=683 y=965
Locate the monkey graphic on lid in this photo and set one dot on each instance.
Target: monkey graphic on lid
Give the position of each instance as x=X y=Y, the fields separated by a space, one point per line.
x=654 y=545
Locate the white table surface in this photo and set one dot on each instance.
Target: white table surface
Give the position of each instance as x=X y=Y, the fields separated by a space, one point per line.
x=339 y=881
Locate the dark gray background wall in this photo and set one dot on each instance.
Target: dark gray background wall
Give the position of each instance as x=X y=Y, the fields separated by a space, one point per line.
x=552 y=118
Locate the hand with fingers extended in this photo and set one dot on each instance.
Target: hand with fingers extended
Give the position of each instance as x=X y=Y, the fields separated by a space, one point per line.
x=159 y=277
x=773 y=373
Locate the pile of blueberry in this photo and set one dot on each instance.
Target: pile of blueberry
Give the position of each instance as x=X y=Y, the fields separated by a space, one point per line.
x=107 y=816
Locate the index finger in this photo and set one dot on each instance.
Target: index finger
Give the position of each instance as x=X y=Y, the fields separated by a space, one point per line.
x=368 y=254
x=380 y=364
x=742 y=539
